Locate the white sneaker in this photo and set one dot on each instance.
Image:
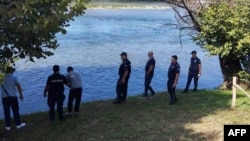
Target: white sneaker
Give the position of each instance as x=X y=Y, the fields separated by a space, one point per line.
x=8 y=128
x=21 y=125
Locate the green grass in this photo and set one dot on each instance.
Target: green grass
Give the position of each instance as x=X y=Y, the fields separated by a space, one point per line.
x=195 y=117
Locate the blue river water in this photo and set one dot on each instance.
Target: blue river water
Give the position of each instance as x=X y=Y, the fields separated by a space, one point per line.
x=92 y=46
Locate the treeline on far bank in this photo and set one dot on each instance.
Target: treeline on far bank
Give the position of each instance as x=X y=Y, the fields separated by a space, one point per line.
x=125 y=0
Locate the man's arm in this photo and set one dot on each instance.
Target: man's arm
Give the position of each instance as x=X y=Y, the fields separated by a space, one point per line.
x=20 y=91
x=176 y=79
x=199 y=65
x=124 y=76
x=150 y=69
x=46 y=89
x=66 y=81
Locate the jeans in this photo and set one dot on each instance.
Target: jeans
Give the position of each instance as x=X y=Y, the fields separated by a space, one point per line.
x=171 y=90
x=147 y=83
x=192 y=75
x=55 y=100
x=11 y=102
x=121 y=90
x=74 y=94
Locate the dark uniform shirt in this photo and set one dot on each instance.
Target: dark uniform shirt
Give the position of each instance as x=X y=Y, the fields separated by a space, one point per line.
x=194 y=65
x=56 y=83
x=173 y=69
x=151 y=61
x=125 y=66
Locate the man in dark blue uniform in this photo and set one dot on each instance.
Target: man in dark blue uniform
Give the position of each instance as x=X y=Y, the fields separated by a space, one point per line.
x=122 y=83
x=173 y=76
x=149 y=73
x=55 y=88
x=194 y=71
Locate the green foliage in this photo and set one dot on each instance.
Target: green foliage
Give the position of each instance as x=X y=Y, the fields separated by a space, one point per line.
x=226 y=31
x=28 y=27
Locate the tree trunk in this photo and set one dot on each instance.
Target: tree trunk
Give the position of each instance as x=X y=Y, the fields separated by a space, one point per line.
x=229 y=68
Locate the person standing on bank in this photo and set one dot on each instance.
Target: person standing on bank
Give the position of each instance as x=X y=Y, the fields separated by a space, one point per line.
x=149 y=73
x=194 y=71
x=75 y=92
x=10 y=100
x=122 y=83
x=173 y=76
x=55 y=89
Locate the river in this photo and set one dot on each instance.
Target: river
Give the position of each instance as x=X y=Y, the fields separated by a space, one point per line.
x=92 y=46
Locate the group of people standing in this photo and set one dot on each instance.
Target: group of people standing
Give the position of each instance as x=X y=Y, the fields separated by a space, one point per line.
x=54 y=90
x=194 y=72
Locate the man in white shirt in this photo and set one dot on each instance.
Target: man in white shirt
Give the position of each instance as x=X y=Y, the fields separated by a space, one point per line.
x=9 y=98
x=75 y=90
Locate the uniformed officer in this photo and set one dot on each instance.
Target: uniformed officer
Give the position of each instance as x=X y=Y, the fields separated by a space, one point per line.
x=55 y=88
x=173 y=76
x=149 y=73
x=194 y=71
x=122 y=83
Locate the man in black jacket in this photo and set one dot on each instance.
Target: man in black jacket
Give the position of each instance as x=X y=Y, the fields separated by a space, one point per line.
x=55 y=88
x=194 y=71
x=149 y=73
x=173 y=76
x=122 y=83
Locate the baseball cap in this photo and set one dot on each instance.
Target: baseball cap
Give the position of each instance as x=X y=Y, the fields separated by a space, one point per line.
x=175 y=57
x=193 y=52
x=123 y=53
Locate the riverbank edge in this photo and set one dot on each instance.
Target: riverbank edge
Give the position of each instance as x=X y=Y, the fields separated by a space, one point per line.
x=112 y=100
x=193 y=117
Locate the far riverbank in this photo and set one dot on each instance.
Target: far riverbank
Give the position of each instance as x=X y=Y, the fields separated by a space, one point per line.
x=125 y=4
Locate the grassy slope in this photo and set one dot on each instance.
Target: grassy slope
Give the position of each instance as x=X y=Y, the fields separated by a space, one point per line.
x=198 y=116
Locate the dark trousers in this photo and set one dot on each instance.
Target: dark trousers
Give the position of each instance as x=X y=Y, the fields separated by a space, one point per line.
x=190 y=77
x=171 y=90
x=11 y=102
x=74 y=94
x=52 y=102
x=148 y=79
x=121 y=90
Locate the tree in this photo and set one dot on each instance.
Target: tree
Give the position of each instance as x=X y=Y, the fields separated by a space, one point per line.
x=225 y=31
x=195 y=16
x=28 y=28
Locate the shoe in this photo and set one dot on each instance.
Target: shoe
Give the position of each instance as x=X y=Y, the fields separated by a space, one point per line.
x=195 y=90
x=124 y=100
x=76 y=113
x=143 y=96
x=69 y=114
x=7 y=128
x=185 y=91
x=21 y=125
x=170 y=103
x=152 y=96
x=175 y=100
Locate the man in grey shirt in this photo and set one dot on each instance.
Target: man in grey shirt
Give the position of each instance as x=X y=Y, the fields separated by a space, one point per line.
x=75 y=92
x=9 y=98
